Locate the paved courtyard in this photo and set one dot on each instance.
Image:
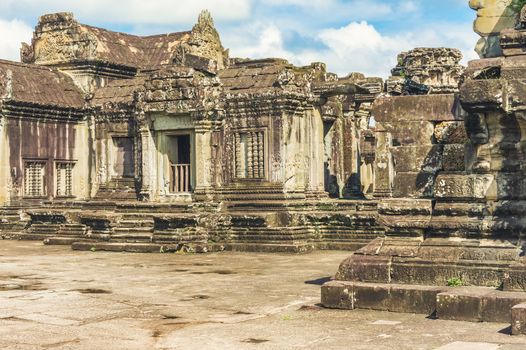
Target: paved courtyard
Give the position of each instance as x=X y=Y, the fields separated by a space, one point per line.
x=55 y=298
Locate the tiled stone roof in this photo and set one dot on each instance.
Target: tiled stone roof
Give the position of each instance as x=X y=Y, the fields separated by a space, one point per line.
x=38 y=85
x=119 y=92
x=136 y=51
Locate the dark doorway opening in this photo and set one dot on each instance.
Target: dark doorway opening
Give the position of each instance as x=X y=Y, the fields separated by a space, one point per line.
x=124 y=160
x=180 y=164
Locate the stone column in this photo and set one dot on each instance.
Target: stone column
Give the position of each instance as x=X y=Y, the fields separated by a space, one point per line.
x=383 y=166
x=147 y=163
x=203 y=161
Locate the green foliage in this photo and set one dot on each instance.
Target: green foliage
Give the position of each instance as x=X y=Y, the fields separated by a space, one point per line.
x=517 y=5
x=93 y=249
x=286 y=318
x=455 y=282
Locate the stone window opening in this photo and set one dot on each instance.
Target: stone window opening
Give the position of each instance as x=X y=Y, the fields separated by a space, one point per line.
x=64 y=179
x=34 y=178
x=250 y=155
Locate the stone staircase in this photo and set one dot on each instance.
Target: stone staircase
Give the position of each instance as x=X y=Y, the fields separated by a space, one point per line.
x=118 y=189
x=270 y=239
x=67 y=234
x=133 y=228
x=11 y=222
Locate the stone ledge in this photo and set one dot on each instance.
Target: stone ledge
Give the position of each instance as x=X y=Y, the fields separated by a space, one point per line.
x=380 y=296
x=476 y=304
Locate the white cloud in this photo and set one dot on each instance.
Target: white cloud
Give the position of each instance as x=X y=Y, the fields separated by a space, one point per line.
x=356 y=47
x=131 y=11
x=12 y=34
x=261 y=42
x=408 y=6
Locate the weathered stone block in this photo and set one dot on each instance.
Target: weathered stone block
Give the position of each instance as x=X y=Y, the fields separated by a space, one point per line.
x=452 y=306
x=409 y=223
x=417 y=158
x=414 y=299
x=372 y=296
x=453 y=157
x=511 y=186
x=478 y=186
x=451 y=132
x=364 y=268
x=405 y=206
x=400 y=247
x=518 y=319
x=443 y=107
x=515 y=279
x=489 y=92
x=437 y=271
x=453 y=209
x=414 y=184
x=337 y=295
x=410 y=132
x=477 y=304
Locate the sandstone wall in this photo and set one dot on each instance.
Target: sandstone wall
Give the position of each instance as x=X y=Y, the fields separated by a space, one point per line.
x=5 y=171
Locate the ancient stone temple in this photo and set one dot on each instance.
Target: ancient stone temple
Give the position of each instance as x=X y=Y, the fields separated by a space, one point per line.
x=463 y=171
x=119 y=142
x=111 y=141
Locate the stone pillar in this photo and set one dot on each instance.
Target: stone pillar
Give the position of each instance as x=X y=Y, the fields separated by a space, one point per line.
x=5 y=173
x=93 y=158
x=147 y=163
x=314 y=170
x=383 y=166
x=203 y=161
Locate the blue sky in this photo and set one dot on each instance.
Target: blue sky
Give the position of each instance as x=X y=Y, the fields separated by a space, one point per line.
x=349 y=35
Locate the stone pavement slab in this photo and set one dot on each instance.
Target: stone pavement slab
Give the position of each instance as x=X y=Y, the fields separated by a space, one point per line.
x=121 y=301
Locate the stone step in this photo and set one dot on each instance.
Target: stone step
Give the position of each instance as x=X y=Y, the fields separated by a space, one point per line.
x=131 y=236
x=178 y=240
x=118 y=247
x=80 y=226
x=273 y=239
x=351 y=245
x=269 y=247
x=72 y=233
x=132 y=229
x=43 y=231
x=25 y=236
x=136 y=223
x=61 y=240
x=477 y=304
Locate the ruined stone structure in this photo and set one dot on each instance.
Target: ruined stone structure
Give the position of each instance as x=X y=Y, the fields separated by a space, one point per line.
x=464 y=222
x=119 y=142
x=111 y=141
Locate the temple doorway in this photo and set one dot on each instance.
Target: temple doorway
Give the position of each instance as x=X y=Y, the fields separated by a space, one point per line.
x=179 y=155
x=123 y=157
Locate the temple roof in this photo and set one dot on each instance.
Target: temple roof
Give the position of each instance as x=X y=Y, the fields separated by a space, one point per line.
x=271 y=74
x=119 y=92
x=38 y=85
x=60 y=39
x=136 y=51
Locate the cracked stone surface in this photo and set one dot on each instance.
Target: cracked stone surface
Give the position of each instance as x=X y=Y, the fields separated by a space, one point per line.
x=54 y=298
